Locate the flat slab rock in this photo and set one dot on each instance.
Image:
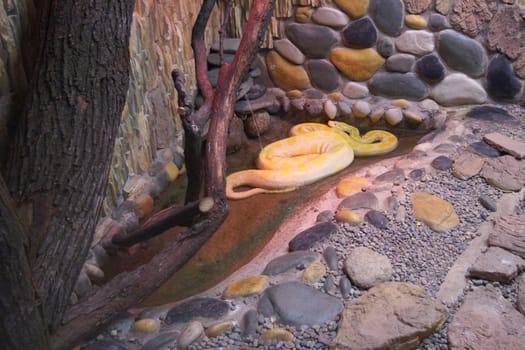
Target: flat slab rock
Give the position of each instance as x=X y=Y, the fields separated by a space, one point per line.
x=297 y=304
x=509 y=233
x=392 y=315
x=290 y=261
x=486 y=321
x=497 y=264
x=506 y=144
x=307 y=238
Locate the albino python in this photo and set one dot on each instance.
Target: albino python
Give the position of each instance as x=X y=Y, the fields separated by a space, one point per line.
x=313 y=151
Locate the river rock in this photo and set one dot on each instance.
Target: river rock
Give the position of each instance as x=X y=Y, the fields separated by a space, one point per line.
x=257 y=124
x=284 y=74
x=330 y=256
x=401 y=62
x=290 y=261
x=307 y=238
x=297 y=304
x=359 y=200
x=506 y=144
x=398 y=85
x=435 y=212
x=496 y=264
x=437 y=22
x=314 y=272
x=486 y=321
x=394 y=176
x=377 y=219
x=488 y=202
x=249 y=323
x=356 y=64
x=467 y=165
x=442 y=163
x=330 y=17
x=323 y=74
x=502 y=84
x=277 y=334
x=361 y=109
x=330 y=109
x=197 y=307
x=289 y=51
x=348 y=216
x=458 y=89
x=519 y=66
x=353 y=8
x=162 y=341
x=505 y=173
x=505 y=30
x=388 y=15
x=394 y=116
x=350 y=185
x=146 y=325
x=313 y=40
x=430 y=68
x=416 y=42
x=462 y=53
x=190 y=334
x=366 y=268
x=385 y=46
x=360 y=34
x=416 y=21
x=245 y=287
x=219 y=328
x=484 y=149
x=392 y=315
x=509 y=233
x=355 y=90
x=470 y=16
x=491 y=114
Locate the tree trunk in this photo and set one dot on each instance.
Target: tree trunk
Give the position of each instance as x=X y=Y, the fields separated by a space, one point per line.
x=58 y=168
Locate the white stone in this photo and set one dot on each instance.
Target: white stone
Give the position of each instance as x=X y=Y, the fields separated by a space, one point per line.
x=377 y=114
x=355 y=90
x=330 y=109
x=416 y=42
x=429 y=105
x=458 y=89
x=361 y=109
x=367 y=268
x=394 y=116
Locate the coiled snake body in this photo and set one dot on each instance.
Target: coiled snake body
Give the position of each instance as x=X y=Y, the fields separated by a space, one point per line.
x=312 y=152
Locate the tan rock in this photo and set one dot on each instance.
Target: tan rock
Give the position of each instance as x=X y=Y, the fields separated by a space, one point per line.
x=172 y=171
x=392 y=315
x=257 y=124
x=417 y=6
x=353 y=8
x=437 y=213
x=246 y=286
x=143 y=205
x=443 y=6
x=277 y=334
x=416 y=21
x=412 y=118
x=335 y=96
x=303 y=14
x=358 y=65
x=506 y=144
x=348 y=216
x=401 y=102
x=467 y=165
x=286 y=75
x=330 y=109
x=218 y=329
x=314 y=272
x=146 y=325
x=294 y=93
x=350 y=185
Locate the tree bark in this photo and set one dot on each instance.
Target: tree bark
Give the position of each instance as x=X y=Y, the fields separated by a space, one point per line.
x=59 y=165
x=21 y=326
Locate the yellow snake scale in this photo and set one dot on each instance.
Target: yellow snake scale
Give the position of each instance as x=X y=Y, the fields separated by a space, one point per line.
x=312 y=152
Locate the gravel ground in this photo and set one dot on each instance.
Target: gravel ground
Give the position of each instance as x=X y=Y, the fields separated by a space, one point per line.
x=418 y=254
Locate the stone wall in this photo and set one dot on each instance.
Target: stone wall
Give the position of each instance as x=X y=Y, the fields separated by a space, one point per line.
x=355 y=59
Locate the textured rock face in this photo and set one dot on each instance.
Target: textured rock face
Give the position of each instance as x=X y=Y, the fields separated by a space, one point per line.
x=392 y=315
x=486 y=321
x=505 y=30
x=462 y=53
x=469 y=16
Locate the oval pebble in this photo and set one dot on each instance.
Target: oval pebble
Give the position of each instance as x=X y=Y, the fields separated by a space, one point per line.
x=190 y=334
x=488 y=202
x=345 y=286
x=218 y=329
x=146 y=325
x=442 y=163
x=278 y=334
x=314 y=272
x=330 y=256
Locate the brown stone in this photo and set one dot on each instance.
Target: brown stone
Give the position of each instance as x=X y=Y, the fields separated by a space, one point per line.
x=246 y=286
x=434 y=211
x=486 y=321
x=470 y=16
x=353 y=8
x=392 y=315
x=357 y=65
x=350 y=185
x=505 y=173
x=417 y=6
x=303 y=14
x=505 y=33
x=509 y=233
x=519 y=66
x=521 y=295
x=497 y=264
x=257 y=124
x=467 y=165
x=286 y=75
x=506 y=144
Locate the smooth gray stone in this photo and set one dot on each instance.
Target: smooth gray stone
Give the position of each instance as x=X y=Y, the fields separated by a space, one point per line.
x=307 y=238
x=197 y=307
x=289 y=261
x=249 y=323
x=462 y=53
x=297 y=304
x=388 y=15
